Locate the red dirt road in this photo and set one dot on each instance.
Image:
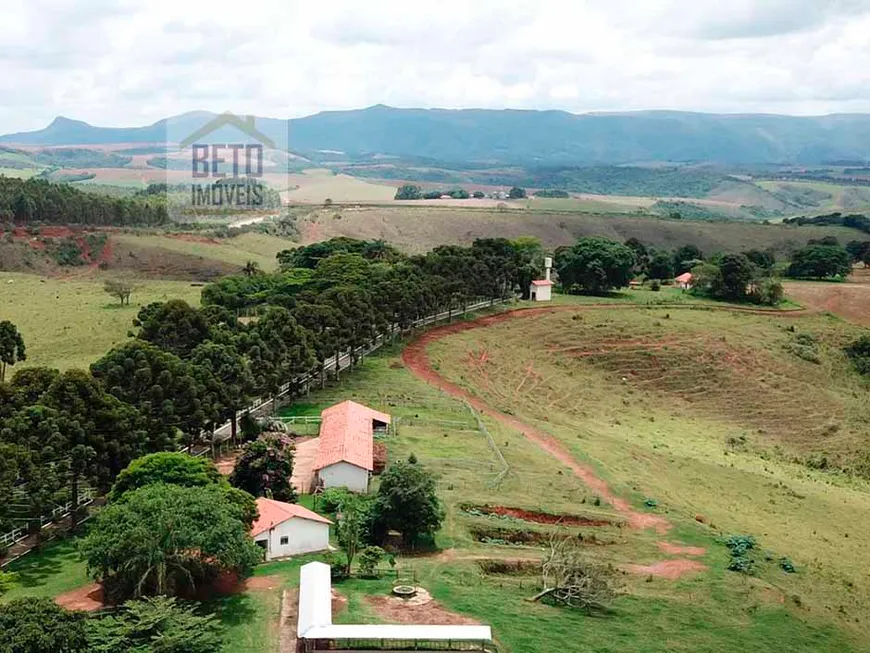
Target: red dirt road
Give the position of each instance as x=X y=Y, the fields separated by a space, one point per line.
x=417 y=361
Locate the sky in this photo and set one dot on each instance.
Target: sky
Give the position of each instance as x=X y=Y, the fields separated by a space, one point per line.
x=132 y=62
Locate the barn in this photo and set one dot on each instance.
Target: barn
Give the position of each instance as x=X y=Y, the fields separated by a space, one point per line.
x=345 y=454
x=286 y=529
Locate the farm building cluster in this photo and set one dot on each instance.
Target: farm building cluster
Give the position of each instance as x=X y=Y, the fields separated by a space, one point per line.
x=344 y=459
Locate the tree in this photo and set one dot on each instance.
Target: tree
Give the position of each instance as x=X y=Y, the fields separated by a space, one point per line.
x=120 y=289
x=735 y=274
x=641 y=255
x=251 y=269
x=167 y=540
x=820 y=261
x=763 y=259
x=660 y=266
x=859 y=250
x=36 y=625
x=353 y=525
x=265 y=468
x=101 y=434
x=166 y=390
x=595 y=265
x=478 y=195
x=279 y=350
x=11 y=347
x=159 y=624
x=231 y=372
x=409 y=192
x=407 y=502
x=517 y=193
x=171 y=468
x=687 y=257
x=570 y=580
x=173 y=326
x=31 y=383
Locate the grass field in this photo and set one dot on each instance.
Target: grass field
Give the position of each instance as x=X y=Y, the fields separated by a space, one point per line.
x=710 y=413
x=418 y=229
x=260 y=248
x=72 y=323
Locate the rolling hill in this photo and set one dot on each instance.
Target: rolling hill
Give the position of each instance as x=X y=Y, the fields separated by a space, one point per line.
x=523 y=137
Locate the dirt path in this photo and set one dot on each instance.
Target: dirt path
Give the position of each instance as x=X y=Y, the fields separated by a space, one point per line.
x=417 y=361
x=287 y=624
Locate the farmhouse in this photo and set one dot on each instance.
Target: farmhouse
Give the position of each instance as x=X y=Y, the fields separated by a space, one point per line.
x=345 y=454
x=316 y=631
x=286 y=529
x=684 y=281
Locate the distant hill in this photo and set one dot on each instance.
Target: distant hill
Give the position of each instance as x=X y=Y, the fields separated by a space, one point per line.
x=524 y=137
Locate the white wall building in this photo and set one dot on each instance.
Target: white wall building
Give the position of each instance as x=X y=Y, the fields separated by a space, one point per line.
x=345 y=453
x=541 y=290
x=287 y=529
x=316 y=631
x=345 y=474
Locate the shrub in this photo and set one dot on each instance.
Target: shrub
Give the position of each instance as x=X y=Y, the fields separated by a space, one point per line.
x=369 y=559
x=859 y=353
x=332 y=498
x=655 y=285
x=787 y=566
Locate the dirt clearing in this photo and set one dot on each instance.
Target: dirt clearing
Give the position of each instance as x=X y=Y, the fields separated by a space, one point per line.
x=421 y=609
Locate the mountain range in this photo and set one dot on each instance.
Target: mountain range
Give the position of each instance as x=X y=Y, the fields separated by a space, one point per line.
x=522 y=137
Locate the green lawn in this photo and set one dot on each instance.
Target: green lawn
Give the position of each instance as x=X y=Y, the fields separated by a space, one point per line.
x=72 y=323
x=53 y=570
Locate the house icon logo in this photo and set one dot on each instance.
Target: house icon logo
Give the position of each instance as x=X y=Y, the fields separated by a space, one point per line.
x=223 y=165
x=245 y=125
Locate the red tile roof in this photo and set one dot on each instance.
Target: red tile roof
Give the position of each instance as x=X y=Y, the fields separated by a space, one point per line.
x=542 y=282
x=686 y=277
x=346 y=435
x=274 y=512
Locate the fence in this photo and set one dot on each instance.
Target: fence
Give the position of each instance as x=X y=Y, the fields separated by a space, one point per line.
x=337 y=363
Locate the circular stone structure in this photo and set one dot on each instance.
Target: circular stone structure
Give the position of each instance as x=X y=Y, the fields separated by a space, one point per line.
x=405 y=591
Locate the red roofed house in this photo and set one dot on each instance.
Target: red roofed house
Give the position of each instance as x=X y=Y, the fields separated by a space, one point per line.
x=684 y=281
x=345 y=455
x=286 y=529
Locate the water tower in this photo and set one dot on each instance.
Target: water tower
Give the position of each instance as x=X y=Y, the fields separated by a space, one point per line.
x=541 y=289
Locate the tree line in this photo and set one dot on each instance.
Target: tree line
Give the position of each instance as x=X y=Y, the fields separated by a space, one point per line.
x=188 y=369
x=41 y=201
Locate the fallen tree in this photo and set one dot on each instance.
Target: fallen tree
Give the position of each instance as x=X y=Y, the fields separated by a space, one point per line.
x=570 y=580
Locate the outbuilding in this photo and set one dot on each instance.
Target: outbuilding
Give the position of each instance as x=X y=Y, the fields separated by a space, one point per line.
x=345 y=454
x=287 y=529
x=684 y=281
x=541 y=290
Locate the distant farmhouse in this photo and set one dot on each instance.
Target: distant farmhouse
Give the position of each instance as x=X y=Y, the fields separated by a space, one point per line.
x=345 y=454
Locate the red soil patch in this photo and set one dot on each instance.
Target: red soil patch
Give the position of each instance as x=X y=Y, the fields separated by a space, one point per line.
x=228 y=583
x=542 y=517
x=83 y=599
x=670 y=569
x=676 y=549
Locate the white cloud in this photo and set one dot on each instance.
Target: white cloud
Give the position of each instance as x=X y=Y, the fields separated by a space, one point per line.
x=122 y=63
